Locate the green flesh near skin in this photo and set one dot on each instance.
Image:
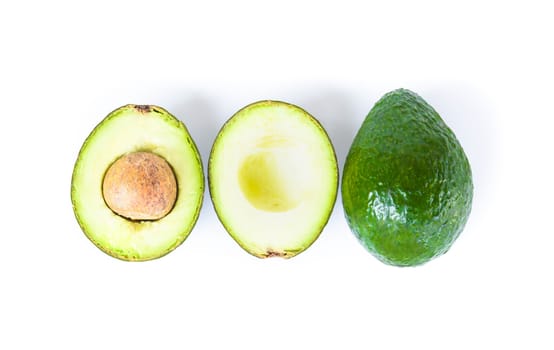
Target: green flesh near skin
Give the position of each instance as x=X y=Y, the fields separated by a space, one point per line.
x=134 y=128
x=407 y=186
x=273 y=178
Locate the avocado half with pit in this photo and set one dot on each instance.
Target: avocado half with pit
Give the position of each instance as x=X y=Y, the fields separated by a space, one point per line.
x=273 y=178
x=138 y=184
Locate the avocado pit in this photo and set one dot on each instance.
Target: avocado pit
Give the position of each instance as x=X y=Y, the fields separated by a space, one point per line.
x=140 y=186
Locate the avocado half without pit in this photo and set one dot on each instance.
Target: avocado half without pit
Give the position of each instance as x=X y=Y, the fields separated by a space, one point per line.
x=138 y=184
x=273 y=178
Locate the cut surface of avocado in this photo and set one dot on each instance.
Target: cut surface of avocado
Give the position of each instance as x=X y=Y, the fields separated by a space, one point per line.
x=273 y=178
x=138 y=184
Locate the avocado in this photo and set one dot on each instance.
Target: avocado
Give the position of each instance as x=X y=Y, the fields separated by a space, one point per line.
x=273 y=178
x=407 y=187
x=138 y=183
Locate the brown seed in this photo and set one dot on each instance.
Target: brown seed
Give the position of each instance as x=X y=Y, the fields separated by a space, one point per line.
x=140 y=186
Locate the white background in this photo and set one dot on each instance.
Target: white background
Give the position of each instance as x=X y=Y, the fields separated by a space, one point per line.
x=487 y=67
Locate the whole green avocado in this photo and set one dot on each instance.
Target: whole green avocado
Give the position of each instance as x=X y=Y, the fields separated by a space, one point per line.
x=407 y=187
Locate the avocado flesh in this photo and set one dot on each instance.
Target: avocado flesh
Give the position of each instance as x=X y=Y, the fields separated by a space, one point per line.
x=130 y=129
x=273 y=178
x=407 y=186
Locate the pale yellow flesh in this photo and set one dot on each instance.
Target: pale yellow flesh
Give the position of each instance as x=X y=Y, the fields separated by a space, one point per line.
x=264 y=182
x=130 y=130
x=273 y=179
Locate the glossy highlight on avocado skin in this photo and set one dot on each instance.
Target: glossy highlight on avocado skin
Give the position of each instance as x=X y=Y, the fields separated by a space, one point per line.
x=407 y=186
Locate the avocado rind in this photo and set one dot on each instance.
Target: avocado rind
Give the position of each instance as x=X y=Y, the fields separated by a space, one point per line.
x=407 y=186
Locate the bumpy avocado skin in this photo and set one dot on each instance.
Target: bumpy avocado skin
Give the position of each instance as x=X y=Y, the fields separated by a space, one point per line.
x=407 y=187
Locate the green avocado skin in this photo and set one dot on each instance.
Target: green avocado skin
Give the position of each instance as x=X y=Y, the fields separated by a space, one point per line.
x=407 y=187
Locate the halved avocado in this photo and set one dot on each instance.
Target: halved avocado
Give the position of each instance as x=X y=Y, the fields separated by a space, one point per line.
x=138 y=183
x=273 y=178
